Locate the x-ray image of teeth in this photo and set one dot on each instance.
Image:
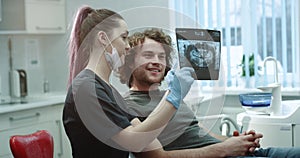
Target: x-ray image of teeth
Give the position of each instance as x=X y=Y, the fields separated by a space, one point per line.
x=200 y=49
x=202 y=54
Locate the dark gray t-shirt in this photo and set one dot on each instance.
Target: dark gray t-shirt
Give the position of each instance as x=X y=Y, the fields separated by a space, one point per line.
x=182 y=132
x=93 y=113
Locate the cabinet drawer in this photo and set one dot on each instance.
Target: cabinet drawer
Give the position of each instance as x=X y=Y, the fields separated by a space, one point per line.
x=29 y=117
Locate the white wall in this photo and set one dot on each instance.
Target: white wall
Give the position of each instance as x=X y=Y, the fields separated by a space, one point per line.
x=136 y=12
x=53 y=48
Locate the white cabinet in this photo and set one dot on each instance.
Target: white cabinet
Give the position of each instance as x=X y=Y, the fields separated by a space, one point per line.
x=272 y=131
x=33 y=17
x=45 y=16
x=296 y=135
x=12 y=16
x=31 y=120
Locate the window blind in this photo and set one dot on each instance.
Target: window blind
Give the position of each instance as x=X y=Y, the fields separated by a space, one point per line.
x=259 y=27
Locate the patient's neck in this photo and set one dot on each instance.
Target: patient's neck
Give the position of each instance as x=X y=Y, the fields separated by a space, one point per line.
x=144 y=87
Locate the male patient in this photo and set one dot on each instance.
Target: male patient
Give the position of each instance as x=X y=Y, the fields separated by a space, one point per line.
x=145 y=66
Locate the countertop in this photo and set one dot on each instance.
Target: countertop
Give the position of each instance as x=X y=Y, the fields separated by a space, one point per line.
x=33 y=102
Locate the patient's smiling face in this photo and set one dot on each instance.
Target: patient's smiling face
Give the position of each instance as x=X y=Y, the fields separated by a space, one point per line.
x=149 y=65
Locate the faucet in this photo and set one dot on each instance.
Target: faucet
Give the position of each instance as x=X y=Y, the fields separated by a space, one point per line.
x=275 y=107
x=276 y=68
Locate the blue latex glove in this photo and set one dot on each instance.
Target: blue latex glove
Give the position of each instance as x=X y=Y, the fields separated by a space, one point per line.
x=179 y=84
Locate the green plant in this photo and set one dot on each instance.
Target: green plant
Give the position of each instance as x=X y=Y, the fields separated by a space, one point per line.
x=251 y=65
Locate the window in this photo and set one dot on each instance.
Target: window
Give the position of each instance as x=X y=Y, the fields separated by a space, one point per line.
x=250 y=29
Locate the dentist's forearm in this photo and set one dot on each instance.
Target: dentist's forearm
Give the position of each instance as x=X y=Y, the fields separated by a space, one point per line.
x=158 y=118
x=136 y=138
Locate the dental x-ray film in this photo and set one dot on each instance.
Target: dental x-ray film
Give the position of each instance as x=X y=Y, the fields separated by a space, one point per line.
x=200 y=49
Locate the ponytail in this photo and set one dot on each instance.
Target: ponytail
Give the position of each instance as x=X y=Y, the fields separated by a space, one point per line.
x=74 y=44
x=85 y=30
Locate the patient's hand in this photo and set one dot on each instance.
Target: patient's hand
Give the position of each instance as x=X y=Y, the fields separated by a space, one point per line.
x=252 y=132
x=240 y=145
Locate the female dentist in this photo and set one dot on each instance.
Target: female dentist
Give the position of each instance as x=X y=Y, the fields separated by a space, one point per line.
x=95 y=116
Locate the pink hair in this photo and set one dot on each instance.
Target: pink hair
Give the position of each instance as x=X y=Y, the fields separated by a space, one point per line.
x=85 y=27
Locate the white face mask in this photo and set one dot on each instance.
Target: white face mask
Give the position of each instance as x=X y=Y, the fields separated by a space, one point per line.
x=113 y=59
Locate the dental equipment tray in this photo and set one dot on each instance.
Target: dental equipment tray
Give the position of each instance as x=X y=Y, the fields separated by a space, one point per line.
x=256 y=99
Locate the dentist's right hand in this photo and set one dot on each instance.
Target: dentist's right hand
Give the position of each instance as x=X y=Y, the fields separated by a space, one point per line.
x=179 y=84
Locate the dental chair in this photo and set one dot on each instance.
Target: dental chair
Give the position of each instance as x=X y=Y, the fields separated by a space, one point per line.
x=35 y=145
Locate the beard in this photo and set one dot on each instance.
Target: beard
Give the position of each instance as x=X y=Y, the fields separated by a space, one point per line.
x=141 y=76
